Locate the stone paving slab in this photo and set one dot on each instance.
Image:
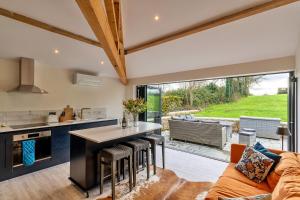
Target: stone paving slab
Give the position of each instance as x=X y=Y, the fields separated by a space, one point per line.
x=212 y=152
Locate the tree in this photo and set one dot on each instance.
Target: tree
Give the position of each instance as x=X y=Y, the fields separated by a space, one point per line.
x=171 y=103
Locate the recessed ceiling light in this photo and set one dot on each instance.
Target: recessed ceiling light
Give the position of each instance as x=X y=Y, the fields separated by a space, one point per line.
x=156 y=17
x=102 y=62
x=56 y=51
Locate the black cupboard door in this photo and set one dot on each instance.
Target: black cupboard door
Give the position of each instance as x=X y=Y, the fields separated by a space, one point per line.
x=94 y=124
x=61 y=144
x=5 y=157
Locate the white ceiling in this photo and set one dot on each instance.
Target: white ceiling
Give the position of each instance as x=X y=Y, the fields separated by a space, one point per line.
x=19 y=39
x=267 y=35
x=174 y=15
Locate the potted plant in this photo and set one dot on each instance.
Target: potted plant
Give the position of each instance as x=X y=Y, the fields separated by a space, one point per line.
x=134 y=107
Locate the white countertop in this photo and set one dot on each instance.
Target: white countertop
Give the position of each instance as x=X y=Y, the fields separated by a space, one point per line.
x=71 y=122
x=107 y=133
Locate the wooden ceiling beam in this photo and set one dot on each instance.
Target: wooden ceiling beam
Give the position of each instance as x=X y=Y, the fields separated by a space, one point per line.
x=118 y=13
x=211 y=24
x=48 y=27
x=112 y=18
x=95 y=14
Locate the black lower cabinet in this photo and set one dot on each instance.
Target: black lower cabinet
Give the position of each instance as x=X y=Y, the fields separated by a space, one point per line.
x=93 y=124
x=61 y=144
x=5 y=157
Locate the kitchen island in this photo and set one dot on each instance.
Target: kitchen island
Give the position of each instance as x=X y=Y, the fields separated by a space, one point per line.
x=51 y=150
x=85 y=144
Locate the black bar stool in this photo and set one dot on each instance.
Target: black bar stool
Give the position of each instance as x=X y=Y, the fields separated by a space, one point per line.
x=110 y=156
x=154 y=140
x=138 y=146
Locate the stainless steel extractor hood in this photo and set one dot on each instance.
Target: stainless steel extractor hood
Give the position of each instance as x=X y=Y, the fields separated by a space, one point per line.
x=27 y=74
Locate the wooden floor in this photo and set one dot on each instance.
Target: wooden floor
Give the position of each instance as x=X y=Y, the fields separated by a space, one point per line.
x=53 y=183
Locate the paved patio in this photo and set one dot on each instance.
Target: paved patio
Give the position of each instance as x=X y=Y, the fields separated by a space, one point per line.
x=215 y=153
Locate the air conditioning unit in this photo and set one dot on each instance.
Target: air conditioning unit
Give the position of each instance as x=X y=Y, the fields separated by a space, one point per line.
x=87 y=80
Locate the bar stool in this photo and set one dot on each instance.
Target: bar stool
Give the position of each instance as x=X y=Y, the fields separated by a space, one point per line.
x=154 y=140
x=110 y=156
x=138 y=146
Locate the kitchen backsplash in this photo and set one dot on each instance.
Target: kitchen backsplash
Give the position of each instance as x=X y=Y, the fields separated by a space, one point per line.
x=29 y=117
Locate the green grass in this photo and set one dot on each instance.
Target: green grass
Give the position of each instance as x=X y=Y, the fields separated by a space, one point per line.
x=274 y=106
x=153 y=103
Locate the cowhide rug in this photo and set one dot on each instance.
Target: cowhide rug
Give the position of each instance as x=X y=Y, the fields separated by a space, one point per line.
x=166 y=185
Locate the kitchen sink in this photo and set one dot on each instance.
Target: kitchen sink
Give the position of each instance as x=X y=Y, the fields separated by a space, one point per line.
x=21 y=126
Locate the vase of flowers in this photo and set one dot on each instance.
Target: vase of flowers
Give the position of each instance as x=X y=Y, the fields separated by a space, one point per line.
x=134 y=107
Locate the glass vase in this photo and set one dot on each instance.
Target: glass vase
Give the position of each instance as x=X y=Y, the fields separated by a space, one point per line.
x=135 y=119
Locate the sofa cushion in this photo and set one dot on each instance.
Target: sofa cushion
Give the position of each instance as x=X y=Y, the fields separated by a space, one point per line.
x=228 y=187
x=256 y=197
x=232 y=173
x=254 y=165
x=259 y=147
x=288 y=159
x=235 y=184
x=288 y=187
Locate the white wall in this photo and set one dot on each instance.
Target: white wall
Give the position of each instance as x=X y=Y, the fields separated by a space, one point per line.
x=58 y=82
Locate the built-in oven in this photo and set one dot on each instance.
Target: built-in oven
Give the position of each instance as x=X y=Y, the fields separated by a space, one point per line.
x=42 y=148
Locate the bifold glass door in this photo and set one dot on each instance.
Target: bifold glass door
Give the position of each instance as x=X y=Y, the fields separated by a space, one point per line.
x=152 y=96
x=292 y=113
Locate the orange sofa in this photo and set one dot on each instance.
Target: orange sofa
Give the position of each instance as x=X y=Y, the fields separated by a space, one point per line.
x=232 y=183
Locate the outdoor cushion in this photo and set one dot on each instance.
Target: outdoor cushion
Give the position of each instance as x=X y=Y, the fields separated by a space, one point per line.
x=210 y=121
x=248 y=129
x=288 y=187
x=192 y=120
x=288 y=159
x=259 y=147
x=254 y=165
x=178 y=117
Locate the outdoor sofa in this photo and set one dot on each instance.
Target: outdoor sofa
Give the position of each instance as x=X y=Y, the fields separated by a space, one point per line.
x=264 y=127
x=201 y=132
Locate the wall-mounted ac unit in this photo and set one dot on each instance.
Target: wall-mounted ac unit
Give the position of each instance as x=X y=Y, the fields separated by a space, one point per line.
x=87 y=80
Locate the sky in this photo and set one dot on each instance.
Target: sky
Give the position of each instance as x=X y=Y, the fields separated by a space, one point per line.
x=268 y=85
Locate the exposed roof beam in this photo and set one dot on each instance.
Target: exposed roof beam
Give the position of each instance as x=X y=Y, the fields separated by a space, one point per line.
x=48 y=27
x=211 y=24
x=95 y=15
x=112 y=18
x=117 y=6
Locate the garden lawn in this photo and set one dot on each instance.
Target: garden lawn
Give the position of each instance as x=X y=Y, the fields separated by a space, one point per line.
x=273 y=106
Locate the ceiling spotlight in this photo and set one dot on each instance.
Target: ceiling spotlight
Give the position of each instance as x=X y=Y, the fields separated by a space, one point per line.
x=156 y=17
x=56 y=51
x=102 y=62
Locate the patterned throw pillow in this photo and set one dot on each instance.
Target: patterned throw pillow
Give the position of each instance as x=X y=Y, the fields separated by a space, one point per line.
x=256 y=197
x=259 y=147
x=254 y=165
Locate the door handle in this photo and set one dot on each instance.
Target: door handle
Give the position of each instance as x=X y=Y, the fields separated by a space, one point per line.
x=5 y=159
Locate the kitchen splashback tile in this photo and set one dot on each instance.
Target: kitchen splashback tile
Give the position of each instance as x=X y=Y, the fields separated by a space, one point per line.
x=30 y=117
